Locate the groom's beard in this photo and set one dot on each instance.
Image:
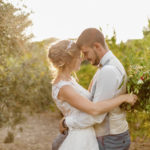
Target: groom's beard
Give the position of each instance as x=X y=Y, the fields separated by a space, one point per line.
x=96 y=62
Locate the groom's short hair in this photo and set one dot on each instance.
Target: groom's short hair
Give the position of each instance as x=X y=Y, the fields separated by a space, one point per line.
x=89 y=36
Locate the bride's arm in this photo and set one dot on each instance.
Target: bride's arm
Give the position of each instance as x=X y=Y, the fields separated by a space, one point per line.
x=69 y=94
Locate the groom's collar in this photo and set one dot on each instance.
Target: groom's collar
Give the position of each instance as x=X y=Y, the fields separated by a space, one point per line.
x=106 y=58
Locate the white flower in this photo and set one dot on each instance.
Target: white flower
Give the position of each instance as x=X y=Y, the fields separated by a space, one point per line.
x=140 y=81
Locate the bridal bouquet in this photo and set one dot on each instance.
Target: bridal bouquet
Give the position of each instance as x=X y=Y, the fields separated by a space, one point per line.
x=139 y=84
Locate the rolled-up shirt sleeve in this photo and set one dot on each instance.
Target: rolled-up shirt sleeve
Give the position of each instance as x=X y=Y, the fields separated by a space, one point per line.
x=107 y=81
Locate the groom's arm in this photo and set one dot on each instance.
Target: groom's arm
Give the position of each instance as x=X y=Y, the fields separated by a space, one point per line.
x=106 y=85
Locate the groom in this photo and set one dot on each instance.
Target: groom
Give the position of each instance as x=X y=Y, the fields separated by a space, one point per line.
x=109 y=81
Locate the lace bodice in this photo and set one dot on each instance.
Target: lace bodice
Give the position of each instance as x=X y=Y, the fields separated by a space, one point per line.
x=64 y=107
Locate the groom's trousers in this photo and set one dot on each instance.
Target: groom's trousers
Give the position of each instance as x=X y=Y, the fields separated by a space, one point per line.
x=59 y=140
x=115 y=142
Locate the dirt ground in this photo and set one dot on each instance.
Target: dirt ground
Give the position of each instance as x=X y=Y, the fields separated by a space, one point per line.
x=38 y=132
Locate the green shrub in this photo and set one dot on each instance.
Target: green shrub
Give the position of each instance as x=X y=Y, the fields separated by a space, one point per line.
x=85 y=74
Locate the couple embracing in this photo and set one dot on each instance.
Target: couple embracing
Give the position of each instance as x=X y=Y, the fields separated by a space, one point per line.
x=92 y=119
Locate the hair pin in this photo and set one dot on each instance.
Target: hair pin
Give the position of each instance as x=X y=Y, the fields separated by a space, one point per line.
x=69 y=45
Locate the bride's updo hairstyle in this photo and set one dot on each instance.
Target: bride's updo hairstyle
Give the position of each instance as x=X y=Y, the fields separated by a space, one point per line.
x=62 y=53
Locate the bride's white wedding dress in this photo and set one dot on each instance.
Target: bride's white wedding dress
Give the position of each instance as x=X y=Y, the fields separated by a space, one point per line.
x=77 y=139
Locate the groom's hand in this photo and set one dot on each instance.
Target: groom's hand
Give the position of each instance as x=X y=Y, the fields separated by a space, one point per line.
x=62 y=126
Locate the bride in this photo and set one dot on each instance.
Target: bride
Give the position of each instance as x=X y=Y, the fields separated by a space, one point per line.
x=73 y=100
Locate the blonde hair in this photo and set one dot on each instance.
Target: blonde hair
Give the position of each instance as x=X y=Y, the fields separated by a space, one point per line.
x=61 y=55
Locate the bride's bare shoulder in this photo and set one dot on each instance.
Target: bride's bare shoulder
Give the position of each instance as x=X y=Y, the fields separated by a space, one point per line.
x=55 y=81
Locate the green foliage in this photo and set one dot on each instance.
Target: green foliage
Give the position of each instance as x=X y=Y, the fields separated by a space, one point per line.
x=25 y=82
x=13 y=23
x=85 y=74
x=146 y=30
x=25 y=79
x=139 y=83
x=139 y=124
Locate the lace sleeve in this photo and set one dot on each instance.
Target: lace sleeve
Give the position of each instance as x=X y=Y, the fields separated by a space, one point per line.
x=56 y=88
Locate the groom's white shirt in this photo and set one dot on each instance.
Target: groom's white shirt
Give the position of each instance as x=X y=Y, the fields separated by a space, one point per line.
x=109 y=81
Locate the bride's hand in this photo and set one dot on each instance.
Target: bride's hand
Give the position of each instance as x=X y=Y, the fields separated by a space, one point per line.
x=62 y=129
x=131 y=98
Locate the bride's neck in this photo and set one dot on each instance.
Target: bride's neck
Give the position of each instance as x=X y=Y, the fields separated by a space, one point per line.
x=63 y=75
